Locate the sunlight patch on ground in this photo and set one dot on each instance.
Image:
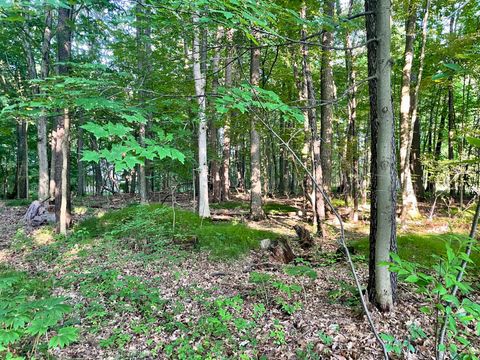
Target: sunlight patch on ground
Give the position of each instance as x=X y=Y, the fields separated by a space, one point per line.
x=42 y=236
x=4 y=256
x=80 y=210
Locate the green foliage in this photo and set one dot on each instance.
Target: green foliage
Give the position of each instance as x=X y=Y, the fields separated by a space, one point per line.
x=460 y=311
x=282 y=294
x=28 y=315
x=344 y=293
x=301 y=270
x=154 y=224
x=407 y=345
x=230 y=205
x=273 y=208
x=419 y=248
x=247 y=97
x=18 y=202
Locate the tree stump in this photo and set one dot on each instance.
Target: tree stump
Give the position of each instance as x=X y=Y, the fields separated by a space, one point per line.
x=304 y=237
x=279 y=250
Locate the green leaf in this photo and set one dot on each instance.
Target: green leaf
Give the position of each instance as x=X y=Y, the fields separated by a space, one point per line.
x=89 y=155
x=439 y=76
x=474 y=141
x=97 y=130
x=8 y=336
x=38 y=327
x=412 y=278
x=454 y=67
x=64 y=337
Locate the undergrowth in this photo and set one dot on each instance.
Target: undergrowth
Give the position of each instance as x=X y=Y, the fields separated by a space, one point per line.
x=269 y=208
x=157 y=222
x=420 y=248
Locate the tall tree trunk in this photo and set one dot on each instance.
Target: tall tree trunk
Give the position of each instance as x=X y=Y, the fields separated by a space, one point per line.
x=80 y=163
x=62 y=141
x=409 y=200
x=53 y=146
x=200 y=82
x=42 y=141
x=22 y=161
x=144 y=51
x=302 y=87
x=352 y=140
x=451 y=134
x=327 y=91
x=225 y=130
x=415 y=161
x=382 y=283
x=97 y=169
x=256 y=211
x=315 y=145
x=212 y=129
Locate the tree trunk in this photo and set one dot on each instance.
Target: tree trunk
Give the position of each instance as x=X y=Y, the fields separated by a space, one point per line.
x=327 y=91
x=144 y=50
x=62 y=139
x=451 y=134
x=302 y=87
x=225 y=131
x=200 y=82
x=80 y=163
x=415 y=161
x=352 y=140
x=97 y=170
x=256 y=211
x=212 y=129
x=42 y=141
x=382 y=283
x=409 y=200
x=22 y=161
x=315 y=145
x=53 y=146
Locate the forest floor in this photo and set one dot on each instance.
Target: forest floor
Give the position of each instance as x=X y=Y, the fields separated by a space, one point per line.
x=149 y=282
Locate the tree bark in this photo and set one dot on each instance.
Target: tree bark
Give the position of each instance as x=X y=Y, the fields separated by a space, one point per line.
x=144 y=51
x=42 y=141
x=53 y=146
x=80 y=163
x=302 y=87
x=62 y=139
x=22 y=161
x=97 y=170
x=327 y=91
x=382 y=283
x=212 y=129
x=415 y=161
x=451 y=134
x=256 y=210
x=315 y=144
x=225 y=130
x=200 y=82
x=352 y=140
x=409 y=200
